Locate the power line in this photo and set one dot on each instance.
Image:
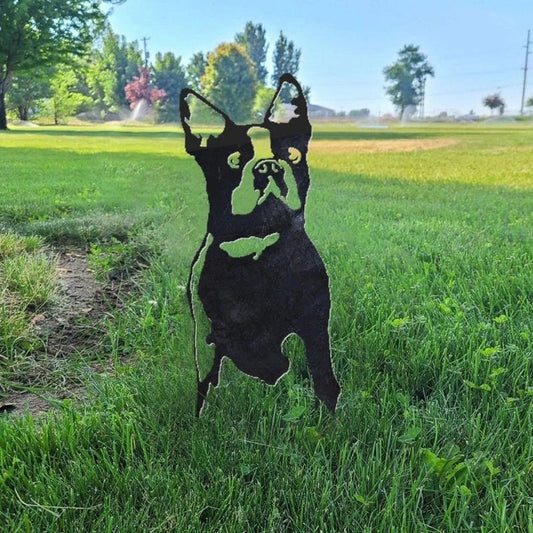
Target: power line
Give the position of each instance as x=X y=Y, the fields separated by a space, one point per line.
x=446 y=93
x=475 y=90
x=479 y=73
x=367 y=83
x=525 y=73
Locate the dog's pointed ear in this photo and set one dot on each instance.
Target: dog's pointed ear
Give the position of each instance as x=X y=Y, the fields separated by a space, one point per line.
x=196 y=111
x=289 y=105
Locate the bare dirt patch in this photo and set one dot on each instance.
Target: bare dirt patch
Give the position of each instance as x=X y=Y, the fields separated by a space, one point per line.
x=28 y=402
x=73 y=326
x=69 y=326
x=377 y=146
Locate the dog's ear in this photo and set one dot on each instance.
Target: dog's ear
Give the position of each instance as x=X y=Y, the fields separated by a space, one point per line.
x=289 y=105
x=195 y=111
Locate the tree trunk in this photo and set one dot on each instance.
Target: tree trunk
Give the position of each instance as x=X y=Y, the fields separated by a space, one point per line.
x=3 y=116
x=23 y=112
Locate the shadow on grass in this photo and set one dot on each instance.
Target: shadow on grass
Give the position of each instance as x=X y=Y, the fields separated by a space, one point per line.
x=354 y=135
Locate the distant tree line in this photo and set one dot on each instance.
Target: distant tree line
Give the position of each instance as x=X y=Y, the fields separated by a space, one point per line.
x=102 y=74
x=354 y=113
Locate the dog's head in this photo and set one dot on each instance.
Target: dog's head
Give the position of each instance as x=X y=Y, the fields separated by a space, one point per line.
x=246 y=166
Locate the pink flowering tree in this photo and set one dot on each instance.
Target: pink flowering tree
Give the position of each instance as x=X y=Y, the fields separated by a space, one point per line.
x=140 y=89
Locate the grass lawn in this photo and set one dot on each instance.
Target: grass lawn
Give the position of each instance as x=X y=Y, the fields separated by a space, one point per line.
x=427 y=234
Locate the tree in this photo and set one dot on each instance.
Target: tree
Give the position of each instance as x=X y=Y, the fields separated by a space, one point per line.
x=43 y=32
x=407 y=77
x=169 y=75
x=66 y=99
x=140 y=89
x=286 y=58
x=359 y=113
x=114 y=62
x=229 y=81
x=28 y=89
x=494 y=101
x=195 y=70
x=529 y=103
x=254 y=42
x=263 y=98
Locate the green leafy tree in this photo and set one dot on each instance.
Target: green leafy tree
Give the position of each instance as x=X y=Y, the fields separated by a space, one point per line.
x=67 y=98
x=263 y=99
x=129 y=60
x=359 y=113
x=28 y=89
x=286 y=58
x=36 y=33
x=529 y=103
x=114 y=62
x=254 y=41
x=169 y=74
x=102 y=81
x=195 y=70
x=406 y=77
x=229 y=81
x=494 y=101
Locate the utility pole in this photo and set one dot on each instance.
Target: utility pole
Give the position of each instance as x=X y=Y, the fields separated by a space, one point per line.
x=422 y=98
x=146 y=53
x=525 y=73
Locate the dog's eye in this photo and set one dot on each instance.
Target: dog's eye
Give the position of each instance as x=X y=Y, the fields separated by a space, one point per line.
x=295 y=155
x=234 y=160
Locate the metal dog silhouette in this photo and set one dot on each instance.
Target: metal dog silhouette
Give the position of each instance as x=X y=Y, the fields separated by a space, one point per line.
x=262 y=278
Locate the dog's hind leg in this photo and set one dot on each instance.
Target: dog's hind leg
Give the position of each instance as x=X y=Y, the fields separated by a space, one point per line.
x=318 y=355
x=212 y=378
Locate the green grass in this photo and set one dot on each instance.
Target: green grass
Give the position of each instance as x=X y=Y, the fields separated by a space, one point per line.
x=430 y=254
x=27 y=284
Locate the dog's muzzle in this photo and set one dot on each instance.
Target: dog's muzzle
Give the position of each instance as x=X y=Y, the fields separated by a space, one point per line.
x=266 y=170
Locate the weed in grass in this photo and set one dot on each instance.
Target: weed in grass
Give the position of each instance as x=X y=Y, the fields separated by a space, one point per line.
x=114 y=259
x=13 y=327
x=31 y=277
x=12 y=244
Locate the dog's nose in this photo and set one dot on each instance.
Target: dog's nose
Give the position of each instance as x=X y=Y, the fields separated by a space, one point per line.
x=269 y=167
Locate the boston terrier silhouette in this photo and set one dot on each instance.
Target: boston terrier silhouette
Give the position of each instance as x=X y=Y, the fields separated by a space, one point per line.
x=262 y=278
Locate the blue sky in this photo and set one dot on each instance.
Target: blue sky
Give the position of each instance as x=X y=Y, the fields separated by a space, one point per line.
x=475 y=46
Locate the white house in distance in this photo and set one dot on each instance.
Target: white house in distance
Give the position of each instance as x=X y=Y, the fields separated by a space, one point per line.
x=284 y=112
x=318 y=111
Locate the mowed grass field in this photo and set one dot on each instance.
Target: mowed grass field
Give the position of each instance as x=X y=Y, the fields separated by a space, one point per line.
x=427 y=234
